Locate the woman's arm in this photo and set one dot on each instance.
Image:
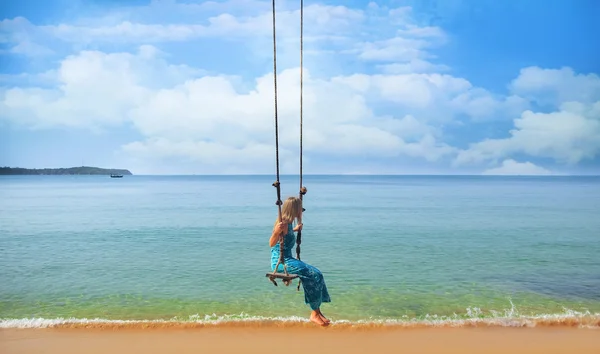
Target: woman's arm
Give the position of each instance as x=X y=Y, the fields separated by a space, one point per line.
x=278 y=230
x=299 y=226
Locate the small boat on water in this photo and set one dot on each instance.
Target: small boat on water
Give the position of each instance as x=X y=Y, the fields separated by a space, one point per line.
x=115 y=176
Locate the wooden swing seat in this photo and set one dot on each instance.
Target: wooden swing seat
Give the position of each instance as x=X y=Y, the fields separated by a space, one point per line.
x=286 y=278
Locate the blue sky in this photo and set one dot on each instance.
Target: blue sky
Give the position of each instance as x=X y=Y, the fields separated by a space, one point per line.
x=391 y=87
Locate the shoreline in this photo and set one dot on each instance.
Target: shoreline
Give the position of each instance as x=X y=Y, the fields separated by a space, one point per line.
x=261 y=339
x=591 y=322
x=567 y=319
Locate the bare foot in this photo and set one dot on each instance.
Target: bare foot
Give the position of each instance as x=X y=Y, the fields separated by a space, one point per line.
x=325 y=319
x=314 y=316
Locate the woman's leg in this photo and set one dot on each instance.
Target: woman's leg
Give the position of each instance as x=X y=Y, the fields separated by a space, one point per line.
x=315 y=289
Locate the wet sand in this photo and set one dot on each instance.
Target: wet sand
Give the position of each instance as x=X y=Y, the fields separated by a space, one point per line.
x=300 y=339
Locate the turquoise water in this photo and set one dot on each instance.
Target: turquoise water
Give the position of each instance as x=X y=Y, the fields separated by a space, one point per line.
x=399 y=248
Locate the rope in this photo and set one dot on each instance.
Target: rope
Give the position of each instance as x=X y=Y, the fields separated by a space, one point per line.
x=302 y=188
x=275 y=86
x=277 y=183
x=301 y=83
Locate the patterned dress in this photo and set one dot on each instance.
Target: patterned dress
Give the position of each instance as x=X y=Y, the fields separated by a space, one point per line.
x=315 y=290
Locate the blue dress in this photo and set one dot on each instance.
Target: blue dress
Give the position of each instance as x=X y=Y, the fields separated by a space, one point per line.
x=315 y=290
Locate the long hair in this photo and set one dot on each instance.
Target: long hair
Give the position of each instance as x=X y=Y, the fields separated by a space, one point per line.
x=290 y=210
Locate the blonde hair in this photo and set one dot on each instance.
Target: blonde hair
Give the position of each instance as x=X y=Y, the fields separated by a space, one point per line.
x=291 y=209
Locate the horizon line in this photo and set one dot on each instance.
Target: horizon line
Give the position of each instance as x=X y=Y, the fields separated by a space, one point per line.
x=322 y=174
x=369 y=174
x=556 y=174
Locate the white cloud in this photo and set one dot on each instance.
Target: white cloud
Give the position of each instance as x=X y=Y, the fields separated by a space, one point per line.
x=337 y=121
x=212 y=155
x=555 y=86
x=436 y=97
x=412 y=90
x=183 y=113
x=93 y=89
x=569 y=135
x=208 y=120
x=413 y=66
x=23 y=79
x=377 y=34
x=180 y=8
x=14 y=30
x=31 y=49
x=512 y=167
x=394 y=49
x=320 y=21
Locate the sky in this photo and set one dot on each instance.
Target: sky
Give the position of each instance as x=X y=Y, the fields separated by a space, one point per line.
x=389 y=87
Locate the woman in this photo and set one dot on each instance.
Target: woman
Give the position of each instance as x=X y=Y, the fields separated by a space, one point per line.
x=315 y=290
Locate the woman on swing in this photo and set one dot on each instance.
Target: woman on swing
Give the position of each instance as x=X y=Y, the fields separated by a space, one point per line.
x=315 y=290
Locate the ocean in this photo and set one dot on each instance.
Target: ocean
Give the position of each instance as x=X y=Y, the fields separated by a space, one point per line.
x=405 y=250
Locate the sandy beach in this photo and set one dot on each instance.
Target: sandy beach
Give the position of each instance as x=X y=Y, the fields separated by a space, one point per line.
x=300 y=339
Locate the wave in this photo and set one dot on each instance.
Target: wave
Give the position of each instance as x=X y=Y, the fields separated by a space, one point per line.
x=473 y=318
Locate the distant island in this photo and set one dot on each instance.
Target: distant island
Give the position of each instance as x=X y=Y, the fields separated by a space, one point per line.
x=83 y=170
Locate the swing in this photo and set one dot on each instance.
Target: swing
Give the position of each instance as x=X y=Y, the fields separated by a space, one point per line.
x=285 y=276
